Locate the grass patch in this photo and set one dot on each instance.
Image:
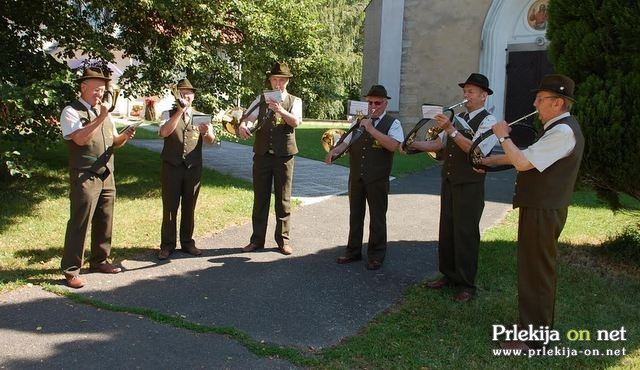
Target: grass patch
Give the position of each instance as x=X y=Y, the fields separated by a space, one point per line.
x=34 y=213
x=147 y=131
x=428 y=330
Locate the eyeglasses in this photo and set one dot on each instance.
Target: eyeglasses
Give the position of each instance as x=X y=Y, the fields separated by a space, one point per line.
x=376 y=102
x=540 y=98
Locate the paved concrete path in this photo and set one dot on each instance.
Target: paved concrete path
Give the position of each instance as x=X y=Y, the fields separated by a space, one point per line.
x=304 y=300
x=312 y=181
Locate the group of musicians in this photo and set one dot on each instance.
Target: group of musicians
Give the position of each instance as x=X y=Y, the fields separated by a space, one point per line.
x=547 y=171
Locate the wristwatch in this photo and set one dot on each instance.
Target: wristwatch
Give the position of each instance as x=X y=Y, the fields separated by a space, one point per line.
x=502 y=139
x=453 y=134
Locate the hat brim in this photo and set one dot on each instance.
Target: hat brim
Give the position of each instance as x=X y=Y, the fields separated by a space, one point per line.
x=83 y=78
x=488 y=90
x=554 y=92
x=269 y=74
x=377 y=96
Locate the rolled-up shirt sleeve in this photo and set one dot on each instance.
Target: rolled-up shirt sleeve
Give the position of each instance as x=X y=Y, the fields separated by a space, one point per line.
x=69 y=122
x=396 y=132
x=554 y=145
x=296 y=110
x=164 y=116
x=487 y=144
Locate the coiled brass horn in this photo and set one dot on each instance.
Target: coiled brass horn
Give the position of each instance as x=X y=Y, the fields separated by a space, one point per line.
x=432 y=130
x=230 y=119
x=522 y=136
x=233 y=117
x=328 y=139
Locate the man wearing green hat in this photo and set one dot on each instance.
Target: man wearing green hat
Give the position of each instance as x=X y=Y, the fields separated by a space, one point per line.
x=547 y=173
x=91 y=136
x=371 y=151
x=279 y=113
x=181 y=171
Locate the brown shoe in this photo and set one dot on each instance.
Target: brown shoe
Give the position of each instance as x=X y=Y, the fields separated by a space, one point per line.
x=164 y=254
x=286 y=250
x=437 y=284
x=374 y=265
x=106 y=268
x=251 y=247
x=514 y=345
x=342 y=260
x=463 y=296
x=192 y=250
x=74 y=281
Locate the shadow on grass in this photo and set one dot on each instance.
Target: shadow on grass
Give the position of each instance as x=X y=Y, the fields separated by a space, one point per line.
x=137 y=176
x=42 y=255
x=19 y=197
x=29 y=275
x=615 y=257
x=584 y=301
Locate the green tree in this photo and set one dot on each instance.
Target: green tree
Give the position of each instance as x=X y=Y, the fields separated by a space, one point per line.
x=595 y=42
x=322 y=42
x=338 y=70
x=223 y=46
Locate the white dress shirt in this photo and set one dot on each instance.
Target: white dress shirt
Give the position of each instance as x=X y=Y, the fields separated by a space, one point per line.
x=70 y=120
x=554 y=145
x=487 y=145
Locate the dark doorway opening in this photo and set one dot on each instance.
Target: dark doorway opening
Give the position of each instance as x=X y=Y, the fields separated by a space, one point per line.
x=525 y=69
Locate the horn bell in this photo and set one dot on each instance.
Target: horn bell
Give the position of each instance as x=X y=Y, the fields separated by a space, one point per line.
x=230 y=119
x=330 y=138
x=425 y=130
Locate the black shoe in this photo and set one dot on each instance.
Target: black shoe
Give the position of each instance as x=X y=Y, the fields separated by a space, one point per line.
x=252 y=247
x=342 y=260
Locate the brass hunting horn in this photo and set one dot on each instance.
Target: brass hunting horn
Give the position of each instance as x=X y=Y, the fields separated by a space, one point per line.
x=432 y=130
x=522 y=136
x=329 y=142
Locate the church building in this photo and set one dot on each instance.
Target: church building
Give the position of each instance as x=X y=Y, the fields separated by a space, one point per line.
x=421 y=49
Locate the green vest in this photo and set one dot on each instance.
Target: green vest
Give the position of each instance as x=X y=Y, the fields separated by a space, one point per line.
x=456 y=166
x=552 y=188
x=368 y=159
x=277 y=137
x=97 y=155
x=184 y=145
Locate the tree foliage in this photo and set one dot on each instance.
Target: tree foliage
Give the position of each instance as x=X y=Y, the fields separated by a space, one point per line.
x=223 y=46
x=595 y=42
x=338 y=69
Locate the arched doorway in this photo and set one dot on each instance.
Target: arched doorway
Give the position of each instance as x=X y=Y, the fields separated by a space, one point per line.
x=514 y=54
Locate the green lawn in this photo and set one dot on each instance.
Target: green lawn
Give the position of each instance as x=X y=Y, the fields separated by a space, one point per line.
x=34 y=213
x=598 y=287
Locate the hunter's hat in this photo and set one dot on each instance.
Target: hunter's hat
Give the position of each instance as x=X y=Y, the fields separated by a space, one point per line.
x=557 y=84
x=379 y=91
x=92 y=73
x=280 y=69
x=185 y=84
x=479 y=80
